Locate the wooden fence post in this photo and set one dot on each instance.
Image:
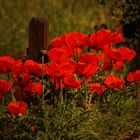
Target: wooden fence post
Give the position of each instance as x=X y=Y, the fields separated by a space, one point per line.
x=38 y=38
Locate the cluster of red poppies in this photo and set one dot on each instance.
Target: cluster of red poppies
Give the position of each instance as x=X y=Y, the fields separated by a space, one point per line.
x=72 y=63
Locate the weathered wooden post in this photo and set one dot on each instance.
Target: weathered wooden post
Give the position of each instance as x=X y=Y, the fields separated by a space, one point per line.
x=38 y=38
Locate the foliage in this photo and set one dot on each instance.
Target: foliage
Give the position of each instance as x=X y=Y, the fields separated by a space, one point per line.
x=128 y=10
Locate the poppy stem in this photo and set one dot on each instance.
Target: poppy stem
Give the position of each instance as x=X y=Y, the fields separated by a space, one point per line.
x=74 y=55
x=124 y=70
x=77 y=55
x=9 y=79
x=90 y=99
x=54 y=91
x=61 y=103
x=43 y=84
x=103 y=59
x=20 y=91
x=8 y=75
x=61 y=90
x=89 y=49
x=86 y=92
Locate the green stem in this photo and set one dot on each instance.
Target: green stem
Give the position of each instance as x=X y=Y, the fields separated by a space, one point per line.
x=43 y=84
x=9 y=79
x=124 y=70
x=89 y=49
x=43 y=78
x=21 y=92
x=77 y=55
x=61 y=101
x=65 y=103
x=61 y=90
x=86 y=90
x=90 y=98
x=53 y=92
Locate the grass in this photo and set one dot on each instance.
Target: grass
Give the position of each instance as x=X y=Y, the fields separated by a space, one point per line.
x=115 y=117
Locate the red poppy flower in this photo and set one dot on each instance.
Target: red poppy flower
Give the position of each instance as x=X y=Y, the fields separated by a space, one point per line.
x=17 y=108
x=107 y=65
x=75 y=40
x=96 y=88
x=126 y=54
x=17 y=68
x=93 y=42
x=133 y=76
x=103 y=37
x=100 y=39
x=5 y=86
x=33 y=88
x=58 y=55
x=117 y=37
x=89 y=58
x=100 y=58
x=68 y=82
x=6 y=63
x=61 y=70
x=137 y=73
x=114 y=82
x=25 y=77
x=35 y=68
x=120 y=54
x=67 y=68
x=29 y=66
x=56 y=43
x=64 y=38
x=86 y=70
x=110 y=64
x=54 y=70
x=118 y=65
x=71 y=82
x=112 y=54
